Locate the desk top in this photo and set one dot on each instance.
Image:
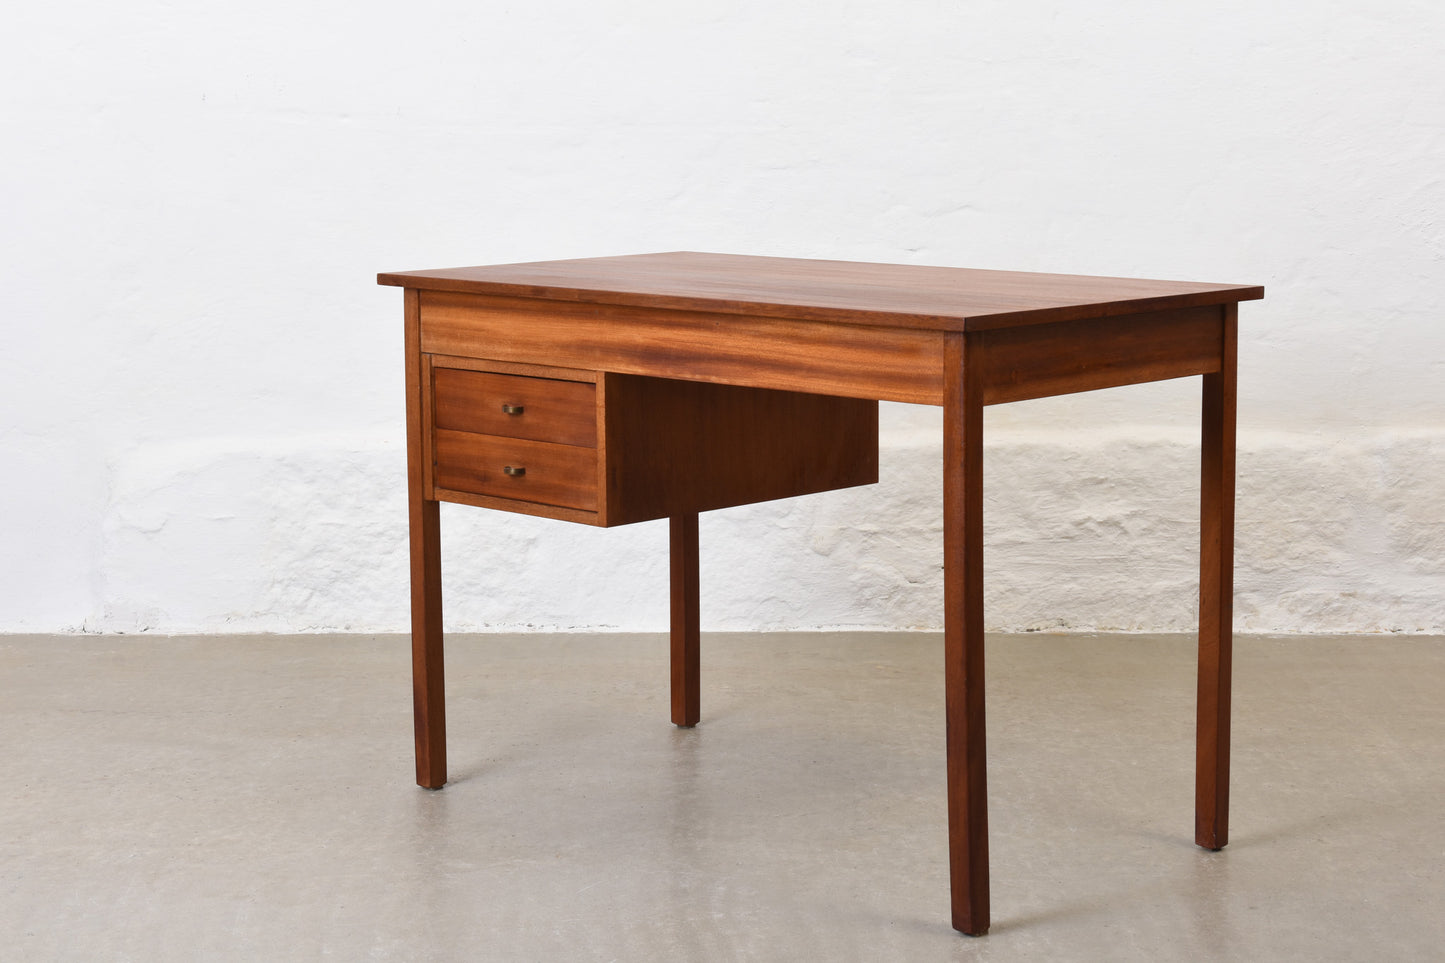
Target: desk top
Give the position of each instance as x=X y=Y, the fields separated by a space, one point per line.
x=846 y=292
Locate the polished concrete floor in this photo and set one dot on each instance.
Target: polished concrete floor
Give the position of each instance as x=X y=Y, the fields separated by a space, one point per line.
x=251 y=798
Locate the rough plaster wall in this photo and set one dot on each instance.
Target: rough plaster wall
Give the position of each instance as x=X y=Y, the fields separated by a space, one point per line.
x=200 y=417
x=1099 y=532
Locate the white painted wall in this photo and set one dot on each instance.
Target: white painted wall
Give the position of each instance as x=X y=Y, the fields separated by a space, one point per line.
x=200 y=388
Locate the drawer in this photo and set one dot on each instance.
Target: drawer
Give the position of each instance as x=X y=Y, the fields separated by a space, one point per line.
x=544 y=473
x=512 y=406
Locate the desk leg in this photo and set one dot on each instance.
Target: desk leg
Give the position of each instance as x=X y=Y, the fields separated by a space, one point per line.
x=1216 y=598
x=428 y=692
x=963 y=637
x=427 y=687
x=686 y=687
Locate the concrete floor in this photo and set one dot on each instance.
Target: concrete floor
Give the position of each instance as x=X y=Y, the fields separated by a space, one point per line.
x=251 y=798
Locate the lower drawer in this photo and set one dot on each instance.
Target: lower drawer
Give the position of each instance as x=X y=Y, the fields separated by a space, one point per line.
x=529 y=471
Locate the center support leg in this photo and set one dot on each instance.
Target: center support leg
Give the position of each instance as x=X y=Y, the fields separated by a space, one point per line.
x=683 y=552
x=963 y=635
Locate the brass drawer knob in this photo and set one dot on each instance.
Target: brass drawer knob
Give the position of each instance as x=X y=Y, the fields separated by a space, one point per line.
x=513 y=409
x=514 y=472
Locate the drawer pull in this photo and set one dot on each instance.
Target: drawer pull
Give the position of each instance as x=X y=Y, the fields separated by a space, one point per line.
x=514 y=472
x=513 y=409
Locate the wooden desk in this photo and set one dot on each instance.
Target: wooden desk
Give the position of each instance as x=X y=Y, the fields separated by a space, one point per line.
x=611 y=390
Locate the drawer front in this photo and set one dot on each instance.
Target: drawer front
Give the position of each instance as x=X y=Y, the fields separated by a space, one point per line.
x=544 y=473
x=542 y=409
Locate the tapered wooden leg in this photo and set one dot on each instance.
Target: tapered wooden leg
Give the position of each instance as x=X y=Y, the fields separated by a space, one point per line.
x=963 y=639
x=686 y=686
x=1216 y=598
x=428 y=690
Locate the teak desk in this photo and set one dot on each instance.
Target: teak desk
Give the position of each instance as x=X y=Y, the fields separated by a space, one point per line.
x=613 y=390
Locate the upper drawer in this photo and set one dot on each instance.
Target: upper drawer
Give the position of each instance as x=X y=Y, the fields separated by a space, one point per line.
x=542 y=409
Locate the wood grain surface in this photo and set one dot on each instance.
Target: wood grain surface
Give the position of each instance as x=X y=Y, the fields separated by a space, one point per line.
x=904 y=295
x=545 y=409
x=564 y=475
x=681 y=447
x=893 y=364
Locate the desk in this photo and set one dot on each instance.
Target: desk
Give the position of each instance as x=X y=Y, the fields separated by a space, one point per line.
x=611 y=390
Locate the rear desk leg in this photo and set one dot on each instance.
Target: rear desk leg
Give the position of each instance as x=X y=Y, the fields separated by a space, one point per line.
x=683 y=551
